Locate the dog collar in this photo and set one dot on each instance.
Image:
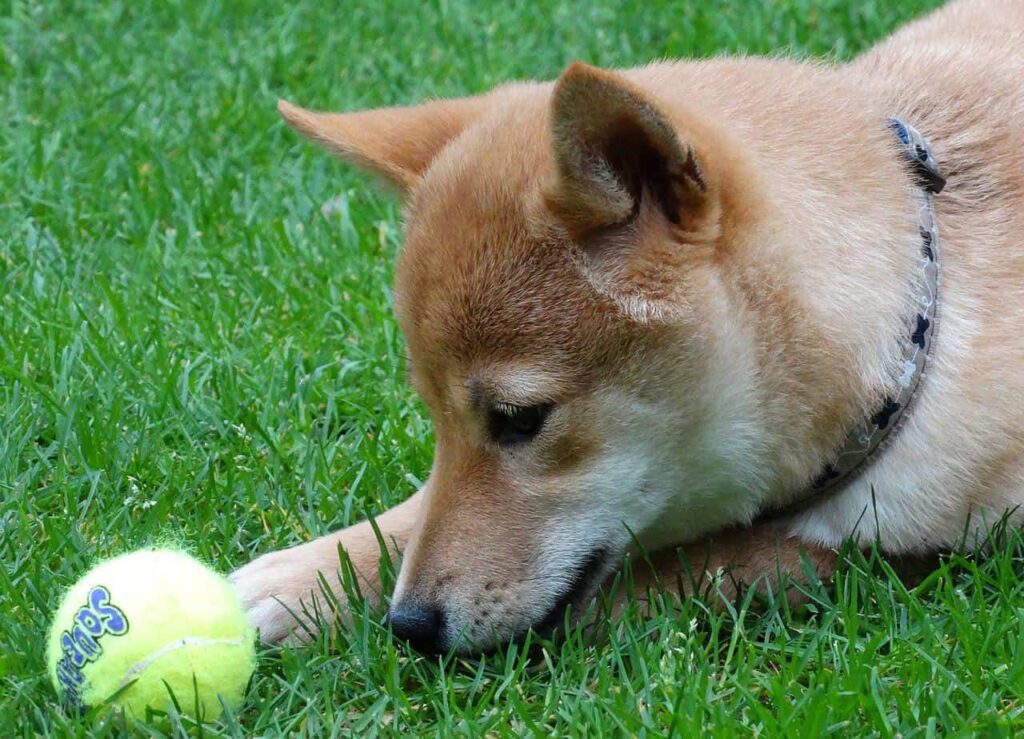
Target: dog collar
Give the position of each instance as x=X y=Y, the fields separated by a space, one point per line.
x=873 y=435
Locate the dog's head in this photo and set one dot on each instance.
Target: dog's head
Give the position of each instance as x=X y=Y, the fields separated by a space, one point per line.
x=571 y=327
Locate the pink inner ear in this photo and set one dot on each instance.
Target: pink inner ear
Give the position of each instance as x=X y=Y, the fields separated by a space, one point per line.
x=614 y=148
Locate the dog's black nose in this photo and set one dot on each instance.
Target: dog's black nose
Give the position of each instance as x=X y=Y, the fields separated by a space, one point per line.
x=417 y=624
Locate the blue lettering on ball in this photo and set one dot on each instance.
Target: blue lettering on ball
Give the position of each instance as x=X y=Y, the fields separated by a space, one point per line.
x=80 y=644
x=89 y=621
x=113 y=619
x=71 y=650
x=85 y=642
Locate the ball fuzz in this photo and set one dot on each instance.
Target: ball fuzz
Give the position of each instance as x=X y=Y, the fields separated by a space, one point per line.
x=143 y=626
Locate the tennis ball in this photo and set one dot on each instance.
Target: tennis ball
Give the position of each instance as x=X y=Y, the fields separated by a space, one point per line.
x=147 y=624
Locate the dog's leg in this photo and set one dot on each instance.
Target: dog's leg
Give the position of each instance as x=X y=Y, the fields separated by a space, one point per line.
x=762 y=556
x=280 y=586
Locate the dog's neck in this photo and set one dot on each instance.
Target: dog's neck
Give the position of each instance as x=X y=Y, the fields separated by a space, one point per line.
x=840 y=379
x=877 y=430
x=828 y=273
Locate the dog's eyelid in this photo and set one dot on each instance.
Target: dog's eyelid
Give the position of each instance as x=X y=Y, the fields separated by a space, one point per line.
x=511 y=425
x=488 y=396
x=509 y=408
x=506 y=409
x=518 y=386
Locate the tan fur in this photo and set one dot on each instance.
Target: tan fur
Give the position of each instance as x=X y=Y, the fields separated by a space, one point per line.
x=705 y=266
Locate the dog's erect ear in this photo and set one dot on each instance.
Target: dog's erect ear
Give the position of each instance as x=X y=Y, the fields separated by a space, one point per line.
x=398 y=143
x=613 y=147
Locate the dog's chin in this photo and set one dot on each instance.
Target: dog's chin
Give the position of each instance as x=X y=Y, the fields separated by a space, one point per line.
x=585 y=579
x=582 y=582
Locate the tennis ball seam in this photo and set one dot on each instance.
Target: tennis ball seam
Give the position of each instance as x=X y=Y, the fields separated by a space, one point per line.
x=188 y=641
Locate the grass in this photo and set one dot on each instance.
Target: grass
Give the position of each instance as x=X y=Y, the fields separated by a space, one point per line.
x=189 y=344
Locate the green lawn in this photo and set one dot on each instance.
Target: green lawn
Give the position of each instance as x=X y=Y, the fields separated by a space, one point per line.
x=190 y=344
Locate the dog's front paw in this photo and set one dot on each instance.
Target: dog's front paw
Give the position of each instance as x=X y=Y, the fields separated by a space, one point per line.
x=284 y=595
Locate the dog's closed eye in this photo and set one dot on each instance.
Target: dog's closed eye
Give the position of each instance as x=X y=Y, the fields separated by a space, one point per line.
x=509 y=424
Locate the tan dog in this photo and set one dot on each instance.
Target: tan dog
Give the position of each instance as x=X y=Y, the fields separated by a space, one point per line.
x=655 y=303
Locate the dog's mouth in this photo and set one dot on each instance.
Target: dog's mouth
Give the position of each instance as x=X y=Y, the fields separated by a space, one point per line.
x=584 y=578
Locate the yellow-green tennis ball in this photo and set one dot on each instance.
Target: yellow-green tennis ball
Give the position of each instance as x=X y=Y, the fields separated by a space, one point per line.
x=148 y=624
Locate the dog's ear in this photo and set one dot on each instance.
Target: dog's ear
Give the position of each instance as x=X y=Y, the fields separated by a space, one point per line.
x=397 y=143
x=614 y=149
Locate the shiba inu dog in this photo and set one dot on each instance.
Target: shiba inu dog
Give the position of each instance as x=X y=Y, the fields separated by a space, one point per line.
x=725 y=306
